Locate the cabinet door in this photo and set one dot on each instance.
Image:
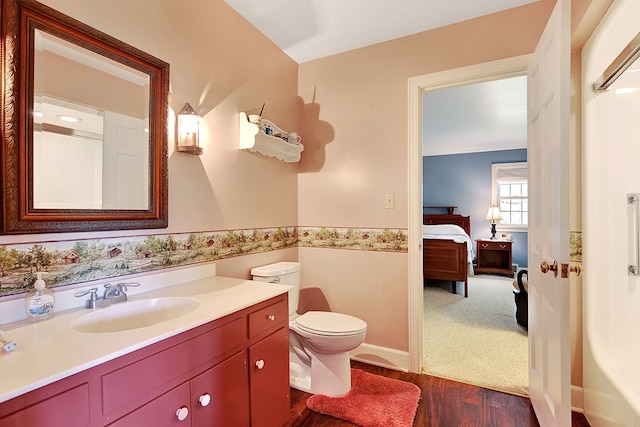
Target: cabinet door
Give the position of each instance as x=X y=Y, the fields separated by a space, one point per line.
x=220 y=396
x=160 y=412
x=269 y=380
x=69 y=408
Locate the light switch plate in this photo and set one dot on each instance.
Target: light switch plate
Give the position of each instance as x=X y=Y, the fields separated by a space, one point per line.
x=389 y=202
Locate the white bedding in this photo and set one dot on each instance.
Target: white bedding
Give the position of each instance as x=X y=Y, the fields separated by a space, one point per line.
x=449 y=232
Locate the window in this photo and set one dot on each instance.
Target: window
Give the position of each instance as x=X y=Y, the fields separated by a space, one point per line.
x=510 y=191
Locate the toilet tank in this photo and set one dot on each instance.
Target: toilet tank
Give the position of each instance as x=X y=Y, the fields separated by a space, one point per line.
x=285 y=273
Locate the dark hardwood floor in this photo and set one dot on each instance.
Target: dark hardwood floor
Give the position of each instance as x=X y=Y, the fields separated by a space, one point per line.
x=443 y=403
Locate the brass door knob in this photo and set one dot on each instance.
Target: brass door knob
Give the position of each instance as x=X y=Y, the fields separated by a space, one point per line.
x=566 y=269
x=576 y=269
x=545 y=268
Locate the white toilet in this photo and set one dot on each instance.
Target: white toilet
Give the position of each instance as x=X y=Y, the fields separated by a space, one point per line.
x=319 y=341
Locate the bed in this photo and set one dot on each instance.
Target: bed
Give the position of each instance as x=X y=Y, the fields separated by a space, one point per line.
x=447 y=249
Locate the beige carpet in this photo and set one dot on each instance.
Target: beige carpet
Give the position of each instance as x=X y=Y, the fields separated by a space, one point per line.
x=476 y=340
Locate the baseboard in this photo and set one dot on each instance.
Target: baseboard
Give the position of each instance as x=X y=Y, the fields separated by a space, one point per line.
x=577 y=399
x=381 y=356
x=399 y=360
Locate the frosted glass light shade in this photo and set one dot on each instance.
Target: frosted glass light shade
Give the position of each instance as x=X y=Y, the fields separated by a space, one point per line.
x=188 y=131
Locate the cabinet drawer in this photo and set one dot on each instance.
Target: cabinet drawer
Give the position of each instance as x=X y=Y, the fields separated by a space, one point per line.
x=137 y=379
x=268 y=317
x=494 y=246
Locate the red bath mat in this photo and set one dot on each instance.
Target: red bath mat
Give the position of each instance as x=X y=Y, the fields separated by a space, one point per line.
x=374 y=401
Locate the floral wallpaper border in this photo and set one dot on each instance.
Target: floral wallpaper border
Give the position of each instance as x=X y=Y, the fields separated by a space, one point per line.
x=575 y=244
x=77 y=261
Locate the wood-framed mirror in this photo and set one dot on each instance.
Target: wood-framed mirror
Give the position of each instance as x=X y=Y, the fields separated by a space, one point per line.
x=84 y=127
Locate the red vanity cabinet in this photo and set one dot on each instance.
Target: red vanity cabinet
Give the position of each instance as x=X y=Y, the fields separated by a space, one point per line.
x=217 y=397
x=208 y=372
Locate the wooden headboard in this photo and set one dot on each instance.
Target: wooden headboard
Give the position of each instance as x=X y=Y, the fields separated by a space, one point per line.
x=457 y=219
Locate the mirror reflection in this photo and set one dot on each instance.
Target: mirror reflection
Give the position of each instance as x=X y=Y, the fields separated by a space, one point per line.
x=91 y=129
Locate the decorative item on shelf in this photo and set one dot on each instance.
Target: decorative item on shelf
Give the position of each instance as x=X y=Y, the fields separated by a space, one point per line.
x=493 y=215
x=293 y=138
x=268 y=139
x=188 y=131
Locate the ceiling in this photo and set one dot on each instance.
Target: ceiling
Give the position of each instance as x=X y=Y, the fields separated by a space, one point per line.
x=486 y=116
x=481 y=117
x=312 y=29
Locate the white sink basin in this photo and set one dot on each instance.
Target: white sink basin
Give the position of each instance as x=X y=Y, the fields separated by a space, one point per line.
x=130 y=315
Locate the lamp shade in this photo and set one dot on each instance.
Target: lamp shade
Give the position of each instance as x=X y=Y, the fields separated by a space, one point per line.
x=187 y=131
x=493 y=214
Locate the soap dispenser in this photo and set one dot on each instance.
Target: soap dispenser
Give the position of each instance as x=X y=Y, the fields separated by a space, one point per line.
x=40 y=301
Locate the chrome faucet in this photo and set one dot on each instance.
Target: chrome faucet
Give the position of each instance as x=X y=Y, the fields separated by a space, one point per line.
x=112 y=294
x=92 y=302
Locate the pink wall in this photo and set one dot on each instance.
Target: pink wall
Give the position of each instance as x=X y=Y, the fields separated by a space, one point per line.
x=354 y=119
x=351 y=110
x=221 y=65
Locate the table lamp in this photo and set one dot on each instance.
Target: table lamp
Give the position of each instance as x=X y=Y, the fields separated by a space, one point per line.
x=493 y=214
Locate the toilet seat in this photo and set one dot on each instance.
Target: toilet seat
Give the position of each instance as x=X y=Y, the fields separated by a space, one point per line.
x=328 y=323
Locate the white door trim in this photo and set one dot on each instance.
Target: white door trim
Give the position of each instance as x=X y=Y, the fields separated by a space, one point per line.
x=416 y=85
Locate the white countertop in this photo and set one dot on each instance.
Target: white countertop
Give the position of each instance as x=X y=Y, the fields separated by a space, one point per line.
x=51 y=350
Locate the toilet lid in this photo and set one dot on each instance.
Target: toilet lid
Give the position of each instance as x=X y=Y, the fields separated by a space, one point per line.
x=330 y=323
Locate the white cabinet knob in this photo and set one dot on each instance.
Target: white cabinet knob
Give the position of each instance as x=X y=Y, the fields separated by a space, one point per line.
x=260 y=364
x=182 y=413
x=205 y=399
x=271 y=317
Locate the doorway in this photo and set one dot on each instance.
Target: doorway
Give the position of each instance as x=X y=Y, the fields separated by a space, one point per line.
x=478 y=73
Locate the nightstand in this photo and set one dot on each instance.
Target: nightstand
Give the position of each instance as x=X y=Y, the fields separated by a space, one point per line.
x=493 y=257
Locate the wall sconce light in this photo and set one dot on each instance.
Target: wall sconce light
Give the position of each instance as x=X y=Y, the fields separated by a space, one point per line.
x=187 y=131
x=493 y=215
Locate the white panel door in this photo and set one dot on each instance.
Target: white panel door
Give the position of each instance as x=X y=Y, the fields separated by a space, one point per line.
x=548 y=151
x=126 y=163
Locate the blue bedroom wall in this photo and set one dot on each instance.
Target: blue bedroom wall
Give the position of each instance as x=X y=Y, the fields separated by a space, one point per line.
x=464 y=180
